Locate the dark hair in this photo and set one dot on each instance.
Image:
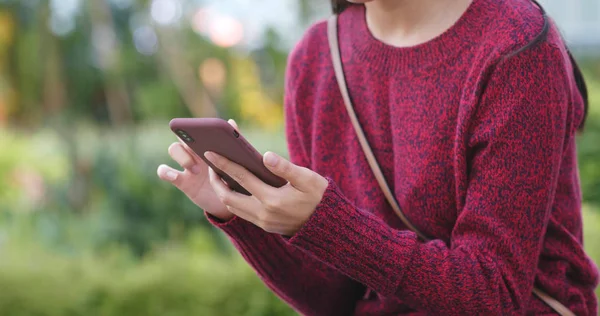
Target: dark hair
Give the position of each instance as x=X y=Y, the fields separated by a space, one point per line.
x=340 y=5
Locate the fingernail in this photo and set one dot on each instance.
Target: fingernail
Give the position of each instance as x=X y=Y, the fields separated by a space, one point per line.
x=233 y=123
x=171 y=175
x=271 y=159
x=196 y=169
x=210 y=156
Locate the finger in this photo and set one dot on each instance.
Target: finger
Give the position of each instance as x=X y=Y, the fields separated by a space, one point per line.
x=234 y=124
x=184 y=158
x=191 y=152
x=243 y=203
x=242 y=176
x=299 y=177
x=169 y=174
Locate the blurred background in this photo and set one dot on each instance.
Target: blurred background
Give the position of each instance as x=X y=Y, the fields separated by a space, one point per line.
x=87 y=88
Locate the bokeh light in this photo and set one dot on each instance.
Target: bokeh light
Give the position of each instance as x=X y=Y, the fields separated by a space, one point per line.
x=62 y=16
x=200 y=21
x=60 y=25
x=223 y=30
x=7 y=28
x=165 y=12
x=213 y=74
x=226 y=31
x=145 y=40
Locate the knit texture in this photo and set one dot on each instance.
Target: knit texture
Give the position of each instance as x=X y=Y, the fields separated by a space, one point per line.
x=478 y=147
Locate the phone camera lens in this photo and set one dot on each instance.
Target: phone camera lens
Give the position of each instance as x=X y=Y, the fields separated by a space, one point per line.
x=236 y=134
x=185 y=136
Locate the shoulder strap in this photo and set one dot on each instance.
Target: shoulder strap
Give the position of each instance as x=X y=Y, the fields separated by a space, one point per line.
x=341 y=79
x=332 y=35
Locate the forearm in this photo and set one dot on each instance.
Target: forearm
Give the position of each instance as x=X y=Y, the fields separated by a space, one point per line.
x=308 y=285
x=430 y=276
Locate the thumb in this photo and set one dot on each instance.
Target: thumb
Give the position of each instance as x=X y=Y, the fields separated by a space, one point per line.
x=297 y=176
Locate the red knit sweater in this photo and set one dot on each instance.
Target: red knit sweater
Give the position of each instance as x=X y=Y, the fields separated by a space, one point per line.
x=479 y=150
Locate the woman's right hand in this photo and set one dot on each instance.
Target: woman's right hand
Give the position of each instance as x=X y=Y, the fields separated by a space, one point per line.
x=194 y=179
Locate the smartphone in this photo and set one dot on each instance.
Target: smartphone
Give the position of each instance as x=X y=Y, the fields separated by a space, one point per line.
x=218 y=136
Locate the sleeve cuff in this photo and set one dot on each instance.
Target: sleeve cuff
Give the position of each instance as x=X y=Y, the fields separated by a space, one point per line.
x=356 y=242
x=217 y=222
x=236 y=228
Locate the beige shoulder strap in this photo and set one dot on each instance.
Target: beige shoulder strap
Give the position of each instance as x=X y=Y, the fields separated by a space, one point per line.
x=332 y=35
x=341 y=79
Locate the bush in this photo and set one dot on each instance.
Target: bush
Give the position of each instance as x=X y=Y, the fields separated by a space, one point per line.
x=171 y=282
x=107 y=178
x=591 y=235
x=189 y=278
x=588 y=148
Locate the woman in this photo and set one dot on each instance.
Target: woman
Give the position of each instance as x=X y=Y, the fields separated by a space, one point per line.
x=471 y=108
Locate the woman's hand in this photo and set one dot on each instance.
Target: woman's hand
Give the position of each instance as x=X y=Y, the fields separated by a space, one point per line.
x=194 y=179
x=276 y=210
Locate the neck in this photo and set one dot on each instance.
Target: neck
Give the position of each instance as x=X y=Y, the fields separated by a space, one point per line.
x=404 y=23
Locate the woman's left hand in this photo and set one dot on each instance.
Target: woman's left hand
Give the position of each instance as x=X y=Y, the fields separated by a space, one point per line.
x=276 y=210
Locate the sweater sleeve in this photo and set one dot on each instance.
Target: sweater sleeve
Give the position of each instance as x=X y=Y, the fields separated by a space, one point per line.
x=309 y=285
x=516 y=142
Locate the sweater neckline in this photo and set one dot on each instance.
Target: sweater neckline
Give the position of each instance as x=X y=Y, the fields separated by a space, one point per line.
x=379 y=54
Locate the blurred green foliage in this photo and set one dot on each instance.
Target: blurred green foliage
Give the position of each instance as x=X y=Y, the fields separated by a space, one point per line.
x=97 y=72
x=589 y=139
x=86 y=227
x=85 y=100
x=137 y=247
x=173 y=281
x=113 y=192
x=591 y=234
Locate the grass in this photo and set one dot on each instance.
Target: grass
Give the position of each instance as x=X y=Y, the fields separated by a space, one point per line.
x=591 y=233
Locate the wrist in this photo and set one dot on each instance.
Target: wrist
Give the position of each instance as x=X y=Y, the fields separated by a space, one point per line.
x=222 y=216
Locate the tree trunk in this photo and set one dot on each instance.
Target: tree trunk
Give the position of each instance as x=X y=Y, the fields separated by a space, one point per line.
x=108 y=54
x=184 y=76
